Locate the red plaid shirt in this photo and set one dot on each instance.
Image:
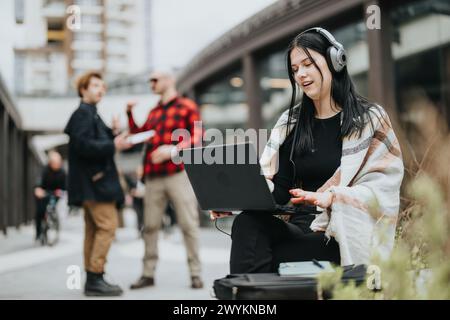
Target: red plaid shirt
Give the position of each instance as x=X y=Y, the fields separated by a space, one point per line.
x=179 y=113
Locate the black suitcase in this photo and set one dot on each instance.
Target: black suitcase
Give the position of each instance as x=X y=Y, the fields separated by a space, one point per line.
x=270 y=286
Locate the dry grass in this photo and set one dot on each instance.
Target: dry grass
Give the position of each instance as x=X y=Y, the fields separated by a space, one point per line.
x=423 y=237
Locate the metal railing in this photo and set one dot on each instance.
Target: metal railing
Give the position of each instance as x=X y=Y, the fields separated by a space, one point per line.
x=19 y=166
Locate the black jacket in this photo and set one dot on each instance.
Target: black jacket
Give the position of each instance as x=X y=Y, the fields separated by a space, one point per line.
x=52 y=180
x=92 y=170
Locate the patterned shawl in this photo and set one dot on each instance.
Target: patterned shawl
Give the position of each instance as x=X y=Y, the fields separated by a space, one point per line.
x=364 y=212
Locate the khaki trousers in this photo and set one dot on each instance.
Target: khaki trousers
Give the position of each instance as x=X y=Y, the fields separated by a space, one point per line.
x=158 y=191
x=101 y=222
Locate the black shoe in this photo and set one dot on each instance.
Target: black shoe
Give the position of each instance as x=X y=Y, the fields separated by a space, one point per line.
x=96 y=286
x=196 y=282
x=143 y=282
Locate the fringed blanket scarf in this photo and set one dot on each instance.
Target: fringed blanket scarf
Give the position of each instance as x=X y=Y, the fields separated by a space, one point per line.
x=363 y=215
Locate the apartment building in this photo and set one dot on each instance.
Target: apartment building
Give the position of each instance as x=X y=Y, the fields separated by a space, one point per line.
x=56 y=40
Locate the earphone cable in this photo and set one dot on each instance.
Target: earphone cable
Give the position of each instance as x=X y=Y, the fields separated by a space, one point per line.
x=217 y=227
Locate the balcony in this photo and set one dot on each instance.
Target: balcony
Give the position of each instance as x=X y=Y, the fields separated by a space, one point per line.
x=117 y=67
x=91 y=27
x=117 y=32
x=83 y=45
x=43 y=72
x=54 y=10
x=124 y=3
x=87 y=64
x=116 y=49
x=91 y=10
x=121 y=16
x=40 y=66
x=56 y=35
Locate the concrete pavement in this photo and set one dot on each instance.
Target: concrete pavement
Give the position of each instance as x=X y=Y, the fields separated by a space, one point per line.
x=29 y=271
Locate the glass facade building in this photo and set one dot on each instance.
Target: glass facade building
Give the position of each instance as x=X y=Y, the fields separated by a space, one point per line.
x=241 y=80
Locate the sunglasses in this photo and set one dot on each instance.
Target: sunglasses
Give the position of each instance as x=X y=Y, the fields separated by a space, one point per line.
x=153 y=80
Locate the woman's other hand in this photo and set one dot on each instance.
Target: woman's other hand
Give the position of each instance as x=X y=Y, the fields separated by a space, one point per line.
x=321 y=199
x=218 y=215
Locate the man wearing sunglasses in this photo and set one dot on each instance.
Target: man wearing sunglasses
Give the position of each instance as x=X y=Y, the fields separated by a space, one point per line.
x=166 y=180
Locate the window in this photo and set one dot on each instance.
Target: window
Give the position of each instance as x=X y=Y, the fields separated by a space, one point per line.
x=421 y=80
x=223 y=101
x=19 y=71
x=19 y=8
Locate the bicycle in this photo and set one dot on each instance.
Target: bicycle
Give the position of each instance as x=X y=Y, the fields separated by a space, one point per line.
x=50 y=222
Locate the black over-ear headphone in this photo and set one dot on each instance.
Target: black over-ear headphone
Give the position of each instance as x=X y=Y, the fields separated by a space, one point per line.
x=336 y=56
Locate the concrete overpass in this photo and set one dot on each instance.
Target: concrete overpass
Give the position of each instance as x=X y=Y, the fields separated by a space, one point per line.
x=273 y=27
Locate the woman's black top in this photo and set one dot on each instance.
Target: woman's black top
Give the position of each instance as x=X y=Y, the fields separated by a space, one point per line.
x=312 y=168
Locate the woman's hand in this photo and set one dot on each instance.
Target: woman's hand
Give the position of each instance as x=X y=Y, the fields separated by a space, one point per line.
x=218 y=215
x=321 y=199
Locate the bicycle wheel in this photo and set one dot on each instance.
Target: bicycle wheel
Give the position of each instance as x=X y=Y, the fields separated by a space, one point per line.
x=44 y=228
x=53 y=229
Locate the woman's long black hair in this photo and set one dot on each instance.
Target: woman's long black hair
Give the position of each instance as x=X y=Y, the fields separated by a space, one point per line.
x=355 y=108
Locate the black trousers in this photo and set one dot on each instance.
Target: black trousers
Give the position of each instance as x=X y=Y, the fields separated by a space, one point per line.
x=41 y=207
x=261 y=241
